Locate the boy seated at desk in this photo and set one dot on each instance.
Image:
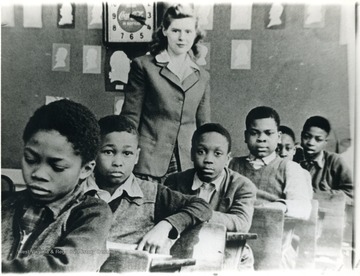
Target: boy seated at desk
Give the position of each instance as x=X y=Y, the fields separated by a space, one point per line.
x=144 y=213
x=287 y=149
x=51 y=226
x=281 y=183
x=328 y=170
x=230 y=195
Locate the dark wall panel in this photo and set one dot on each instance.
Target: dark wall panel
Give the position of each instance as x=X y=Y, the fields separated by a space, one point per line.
x=300 y=72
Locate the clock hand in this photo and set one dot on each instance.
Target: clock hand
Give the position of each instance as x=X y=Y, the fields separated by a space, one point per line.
x=139 y=19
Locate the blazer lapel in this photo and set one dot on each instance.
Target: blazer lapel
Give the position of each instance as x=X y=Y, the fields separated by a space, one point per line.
x=189 y=180
x=187 y=83
x=190 y=80
x=166 y=73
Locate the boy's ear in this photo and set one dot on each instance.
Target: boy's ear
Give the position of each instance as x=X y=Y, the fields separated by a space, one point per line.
x=137 y=155
x=246 y=136
x=327 y=137
x=87 y=169
x=326 y=140
x=279 y=137
x=192 y=154
x=228 y=159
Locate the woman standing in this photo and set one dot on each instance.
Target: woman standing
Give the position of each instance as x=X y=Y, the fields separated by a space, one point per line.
x=168 y=95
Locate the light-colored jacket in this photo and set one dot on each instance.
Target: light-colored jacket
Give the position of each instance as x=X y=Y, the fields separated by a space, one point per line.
x=165 y=110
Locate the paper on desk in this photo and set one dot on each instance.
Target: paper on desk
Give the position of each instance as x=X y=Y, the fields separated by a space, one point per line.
x=124 y=246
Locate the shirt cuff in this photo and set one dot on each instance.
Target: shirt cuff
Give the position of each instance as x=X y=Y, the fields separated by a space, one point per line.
x=283 y=201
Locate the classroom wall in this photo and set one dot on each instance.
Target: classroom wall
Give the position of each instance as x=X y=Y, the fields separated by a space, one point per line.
x=300 y=72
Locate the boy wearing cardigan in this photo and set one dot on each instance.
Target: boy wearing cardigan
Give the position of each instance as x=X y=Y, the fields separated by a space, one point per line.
x=281 y=183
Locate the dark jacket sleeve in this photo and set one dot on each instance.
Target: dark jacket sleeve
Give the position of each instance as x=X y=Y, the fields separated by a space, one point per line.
x=342 y=178
x=238 y=216
x=176 y=181
x=82 y=246
x=236 y=206
x=134 y=93
x=181 y=211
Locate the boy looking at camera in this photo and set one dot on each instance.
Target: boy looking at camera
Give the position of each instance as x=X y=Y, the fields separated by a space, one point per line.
x=145 y=213
x=328 y=170
x=281 y=183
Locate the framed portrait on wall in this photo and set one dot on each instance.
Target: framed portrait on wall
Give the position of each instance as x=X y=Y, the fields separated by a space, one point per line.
x=275 y=16
x=116 y=70
x=61 y=57
x=91 y=59
x=66 y=15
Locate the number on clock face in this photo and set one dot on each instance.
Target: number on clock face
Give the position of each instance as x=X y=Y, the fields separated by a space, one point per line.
x=131 y=36
x=130 y=22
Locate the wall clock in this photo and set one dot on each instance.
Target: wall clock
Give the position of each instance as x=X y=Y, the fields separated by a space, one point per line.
x=129 y=22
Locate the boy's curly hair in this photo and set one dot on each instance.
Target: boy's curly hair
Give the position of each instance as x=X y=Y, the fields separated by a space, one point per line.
x=117 y=123
x=286 y=130
x=317 y=121
x=210 y=127
x=72 y=120
x=262 y=112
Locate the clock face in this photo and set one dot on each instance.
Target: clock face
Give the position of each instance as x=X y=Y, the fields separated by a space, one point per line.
x=130 y=22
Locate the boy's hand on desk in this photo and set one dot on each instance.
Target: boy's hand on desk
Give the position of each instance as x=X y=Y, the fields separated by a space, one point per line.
x=156 y=240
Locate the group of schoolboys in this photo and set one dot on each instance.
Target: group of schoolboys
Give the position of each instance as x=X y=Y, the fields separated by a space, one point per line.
x=62 y=223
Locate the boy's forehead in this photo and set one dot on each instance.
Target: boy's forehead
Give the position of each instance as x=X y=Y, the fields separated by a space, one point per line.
x=120 y=138
x=316 y=131
x=212 y=140
x=52 y=144
x=212 y=137
x=287 y=139
x=264 y=123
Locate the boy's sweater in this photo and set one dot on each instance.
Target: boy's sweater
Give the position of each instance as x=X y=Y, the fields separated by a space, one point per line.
x=280 y=180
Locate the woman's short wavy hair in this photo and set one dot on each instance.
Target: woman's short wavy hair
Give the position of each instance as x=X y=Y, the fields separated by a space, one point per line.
x=178 y=11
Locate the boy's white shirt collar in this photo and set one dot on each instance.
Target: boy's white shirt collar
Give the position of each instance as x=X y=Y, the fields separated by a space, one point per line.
x=266 y=159
x=197 y=183
x=319 y=160
x=127 y=186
